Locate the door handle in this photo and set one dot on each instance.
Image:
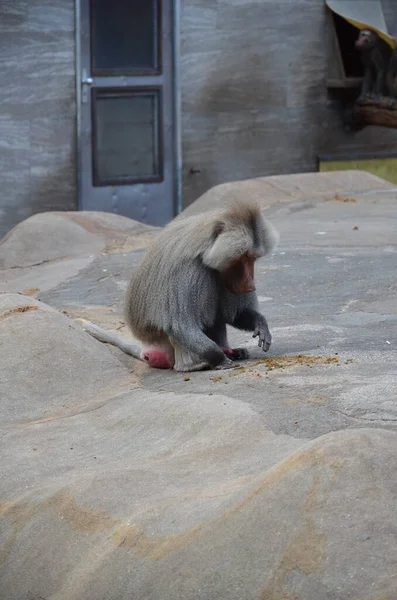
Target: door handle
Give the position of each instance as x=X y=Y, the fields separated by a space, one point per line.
x=86 y=82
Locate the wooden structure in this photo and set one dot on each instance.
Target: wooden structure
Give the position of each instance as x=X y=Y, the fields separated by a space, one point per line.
x=372 y=113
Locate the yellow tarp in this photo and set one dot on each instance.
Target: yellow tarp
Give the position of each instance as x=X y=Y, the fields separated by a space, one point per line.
x=363 y=14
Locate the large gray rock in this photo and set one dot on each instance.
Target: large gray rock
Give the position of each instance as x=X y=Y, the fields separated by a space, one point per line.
x=273 y=480
x=49 y=368
x=161 y=496
x=59 y=245
x=268 y=191
x=46 y=237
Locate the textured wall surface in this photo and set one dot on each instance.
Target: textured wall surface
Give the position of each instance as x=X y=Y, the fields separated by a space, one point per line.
x=37 y=108
x=254 y=94
x=254 y=98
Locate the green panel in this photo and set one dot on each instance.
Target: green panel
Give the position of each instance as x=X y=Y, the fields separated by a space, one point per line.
x=386 y=168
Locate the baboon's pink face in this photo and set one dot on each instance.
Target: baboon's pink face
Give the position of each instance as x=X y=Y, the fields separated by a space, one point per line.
x=365 y=40
x=239 y=274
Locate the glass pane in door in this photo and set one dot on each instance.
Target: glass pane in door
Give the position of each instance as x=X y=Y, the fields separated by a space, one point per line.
x=124 y=36
x=127 y=145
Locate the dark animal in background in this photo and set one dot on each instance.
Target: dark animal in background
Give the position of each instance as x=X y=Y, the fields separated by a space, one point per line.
x=375 y=56
x=391 y=78
x=197 y=278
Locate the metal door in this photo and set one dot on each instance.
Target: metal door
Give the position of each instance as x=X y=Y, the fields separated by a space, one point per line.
x=127 y=146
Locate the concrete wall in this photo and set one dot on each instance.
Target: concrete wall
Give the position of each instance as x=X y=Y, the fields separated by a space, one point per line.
x=390 y=12
x=37 y=108
x=254 y=94
x=254 y=97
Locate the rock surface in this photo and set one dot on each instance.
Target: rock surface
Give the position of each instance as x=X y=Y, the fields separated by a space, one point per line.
x=284 y=188
x=276 y=480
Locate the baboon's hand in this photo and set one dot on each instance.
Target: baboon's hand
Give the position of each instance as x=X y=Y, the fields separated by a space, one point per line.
x=265 y=339
x=239 y=354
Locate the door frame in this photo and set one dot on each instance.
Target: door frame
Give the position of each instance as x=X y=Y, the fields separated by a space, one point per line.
x=177 y=113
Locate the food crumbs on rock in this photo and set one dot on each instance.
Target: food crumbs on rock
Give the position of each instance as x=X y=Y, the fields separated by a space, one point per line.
x=18 y=309
x=339 y=198
x=30 y=291
x=282 y=362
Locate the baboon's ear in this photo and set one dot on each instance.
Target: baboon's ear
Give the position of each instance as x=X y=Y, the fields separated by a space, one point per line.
x=219 y=227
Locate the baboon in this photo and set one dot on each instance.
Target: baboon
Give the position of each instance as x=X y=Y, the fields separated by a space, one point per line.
x=196 y=278
x=375 y=56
